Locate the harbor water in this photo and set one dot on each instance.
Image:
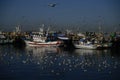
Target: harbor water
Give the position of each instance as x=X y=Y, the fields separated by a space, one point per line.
x=51 y=63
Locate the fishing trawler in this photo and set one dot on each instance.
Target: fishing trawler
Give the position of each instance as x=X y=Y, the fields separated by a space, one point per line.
x=41 y=42
x=84 y=45
x=5 y=39
x=89 y=44
x=41 y=39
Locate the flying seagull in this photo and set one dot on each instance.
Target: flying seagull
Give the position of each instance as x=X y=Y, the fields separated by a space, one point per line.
x=52 y=4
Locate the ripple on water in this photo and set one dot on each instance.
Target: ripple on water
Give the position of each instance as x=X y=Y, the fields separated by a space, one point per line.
x=65 y=63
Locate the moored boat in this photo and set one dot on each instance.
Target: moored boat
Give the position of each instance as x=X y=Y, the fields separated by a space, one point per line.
x=5 y=40
x=41 y=39
x=84 y=45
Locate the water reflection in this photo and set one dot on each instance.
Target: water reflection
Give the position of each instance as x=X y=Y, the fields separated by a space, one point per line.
x=58 y=61
x=52 y=61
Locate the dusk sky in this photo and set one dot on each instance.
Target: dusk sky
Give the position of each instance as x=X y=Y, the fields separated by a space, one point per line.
x=83 y=14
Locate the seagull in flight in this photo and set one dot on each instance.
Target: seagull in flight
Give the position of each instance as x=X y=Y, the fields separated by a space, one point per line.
x=52 y=4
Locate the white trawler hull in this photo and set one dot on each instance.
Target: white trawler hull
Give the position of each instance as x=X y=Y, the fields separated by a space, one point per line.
x=81 y=46
x=41 y=44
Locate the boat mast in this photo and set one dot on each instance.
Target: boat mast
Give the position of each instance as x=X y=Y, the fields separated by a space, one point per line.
x=18 y=29
x=100 y=24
